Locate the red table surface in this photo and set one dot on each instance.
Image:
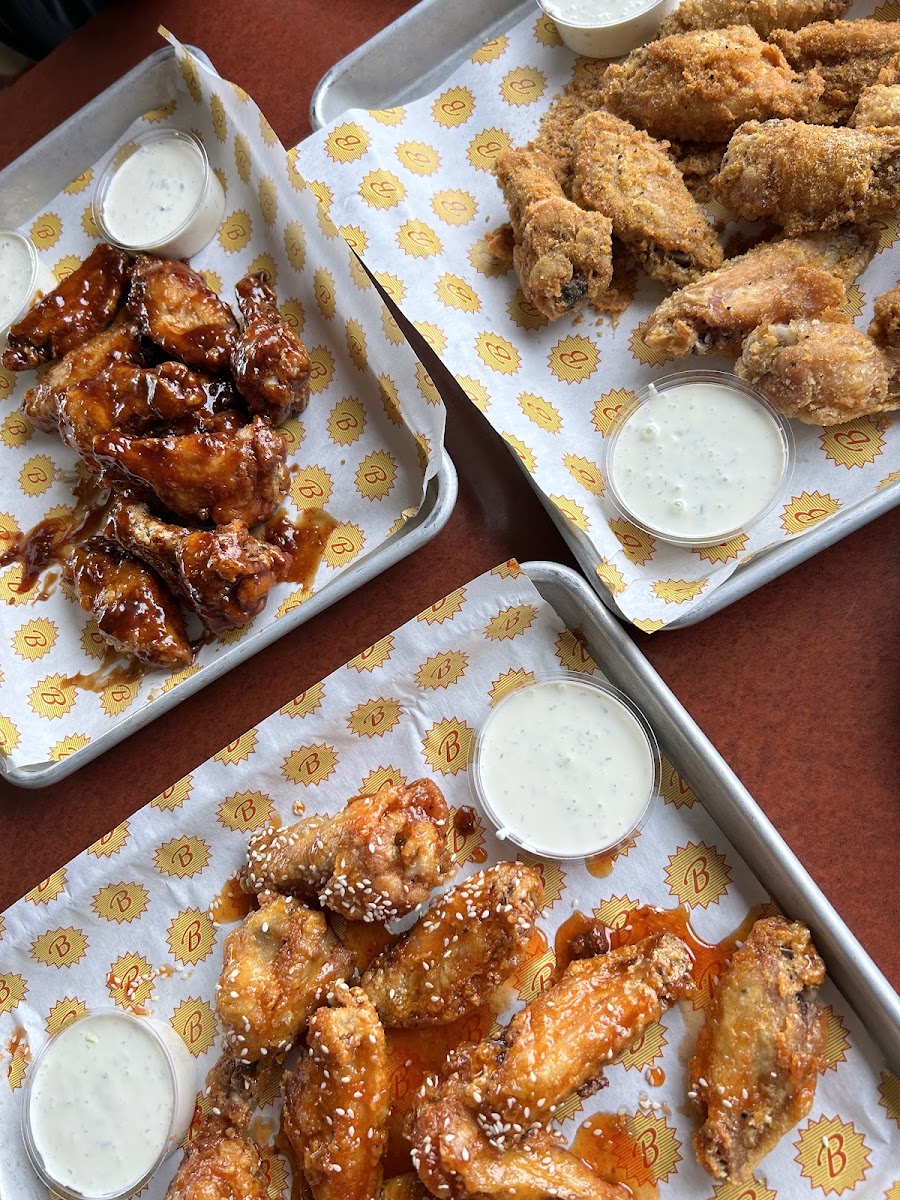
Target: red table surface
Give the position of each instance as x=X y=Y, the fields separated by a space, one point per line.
x=797 y=685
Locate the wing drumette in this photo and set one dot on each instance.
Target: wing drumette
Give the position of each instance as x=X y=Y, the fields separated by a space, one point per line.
x=269 y=361
x=884 y=328
x=83 y=304
x=763 y=15
x=467 y=943
x=217 y=477
x=175 y=308
x=753 y=1076
x=224 y=575
x=134 y=610
x=336 y=1102
x=378 y=858
x=277 y=966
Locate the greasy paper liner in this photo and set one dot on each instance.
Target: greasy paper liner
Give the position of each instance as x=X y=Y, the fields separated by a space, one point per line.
x=363 y=450
x=127 y=920
x=411 y=188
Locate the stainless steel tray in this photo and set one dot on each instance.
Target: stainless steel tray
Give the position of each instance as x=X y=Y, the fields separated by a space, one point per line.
x=31 y=182
x=412 y=57
x=728 y=802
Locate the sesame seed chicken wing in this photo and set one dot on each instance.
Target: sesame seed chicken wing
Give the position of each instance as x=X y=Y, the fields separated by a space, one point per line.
x=378 y=858
x=763 y=15
x=467 y=943
x=336 y=1101
x=405 y=1187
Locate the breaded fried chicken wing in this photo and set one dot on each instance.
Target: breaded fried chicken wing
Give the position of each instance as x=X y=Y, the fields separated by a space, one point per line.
x=467 y=943
x=624 y=174
x=884 y=328
x=174 y=307
x=762 y=15
x=269 y=362
x=878 y=107
x=378 y=858
x=701 y=86
x=83 y=304
x=759 y=1053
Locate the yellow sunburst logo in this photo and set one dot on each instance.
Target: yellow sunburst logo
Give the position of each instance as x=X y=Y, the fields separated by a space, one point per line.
x=46 y=230
x=321 y=368
x=573 y=359
x=344 y=544
x=37 y=475
x=306 y=702
x=121 y=902
x=534 y=976
x=487 y=263
x=182 y=857
x=510 y=622
x=854 y=444
x=552 y=876
x=571 y=510
x=67 y=746
x=491 y=50
x=376 y=475
x=117 y=696
x=54 y=885
x=174 y=796
x=64 y=1013
x=347 y=143
x=381 y=777
x=374 y=656
x=509 y=681
x=375 y=718
x=467 y=845
x=83 y=181
x=523 y=313
x=19 y=1052
x=610 y=576
x=648 y=624
x=498 y=353
x=244 y=811
x=523 y=86
x=637 y=546
x=418 y=240
x=523 y=452
x=573 y=653
x=808 y=509
x=346 y=421
x=16 y=429
x=645 y=1051
x=485 y=147
x=239 y=750
x=13 y=990
x=191 y=936
x=389 y=116
x=673 y=788
x=888 y=1092
x=446 y=746
x=476 y=392
x=698 y=875
x=52 y=697
x=837 y=1043
x=60 y=947
x=355 y=337
x=310 y=765
x=268 y=201
x=295 y=244
x=311 y=487
x=195 y=1023
x=242 y=157
x=724 y=552
x=235 y=232
x=614 y=911
x=392 y=330
x=419 y=157
x=425 y=383
x=453 y=107
x=274 y=1172
x=545 y=31
x=454 y=206
x=454 y=292
x=323 y=290
x=111 y=843
x=390 y=400
x=678 y=591
x=219 y=120
x=442 y=670
x=832 y=1155
x=191 y=77
x=641 y=351
x=68 y=263
x=382 y=190
x=444 y=610
x=541 y=412
x=393 y=285
x=585 y=472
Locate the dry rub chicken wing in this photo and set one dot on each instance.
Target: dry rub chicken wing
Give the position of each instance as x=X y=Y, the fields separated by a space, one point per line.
x=762 y=15
x=133 y=608
x=224 y=575
x=759 y=1053
x=775 y=281
x=336 y=1101
x=218 y=477
x=378 y=858
x=269 y=362
x=83 y=304
x=624 y=174
x=467 y=943
x=701 y=86
x=173 y=306
x=277 y=967
x=810 y=177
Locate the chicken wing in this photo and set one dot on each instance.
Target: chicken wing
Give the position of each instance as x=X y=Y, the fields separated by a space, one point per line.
x=336 y=1102
x=379 y=858
x=218 y=477
x=775 y=281
x=224 y=575
x=405 y=1187
x=467 y=943
x=847 y=55
x=753 y=1076
x=884 y=328
x=821 y=372
x=762 y=15
x=277 y=967
x=701 y=86
x=83 y=304
x=174 y=307
x=878 y=107
x=133 y=608
x=624 y=174
x=269 y=362
x=562 y=254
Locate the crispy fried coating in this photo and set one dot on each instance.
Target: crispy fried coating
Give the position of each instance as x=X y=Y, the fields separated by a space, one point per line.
x=762 y=15
x=884 y=328
x=133 y=608
x=83 y=304
x=627 y=176
x=277 y=967
x=562 y=254
x=810 y=177
x=269 y=362
x=337 y=1100
x=467 y=943
x=879 y=104
x=820 y=372
x=775 y=281
x=378 y=858
x=174 y=307
x=759 y=1053
x=701 y=86
x=555 y=138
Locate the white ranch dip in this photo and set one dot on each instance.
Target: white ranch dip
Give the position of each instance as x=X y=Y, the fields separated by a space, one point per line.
x=15 y=277
x=564 y=768
x=593 y=12
x=606 y=28
x=698 y=461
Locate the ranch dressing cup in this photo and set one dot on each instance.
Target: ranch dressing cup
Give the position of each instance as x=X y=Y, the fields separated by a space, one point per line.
x=606 y=28
x=699 y=458
x=107 y=1101
x=23 y=279
x=159 y=194
x=565 y=767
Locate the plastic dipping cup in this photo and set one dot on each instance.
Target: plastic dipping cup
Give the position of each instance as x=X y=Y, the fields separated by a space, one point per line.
x=698 y=459
x=23 y=279
x=606 y=28
x=108 y=1099
x=160 y=194
x=565 y=767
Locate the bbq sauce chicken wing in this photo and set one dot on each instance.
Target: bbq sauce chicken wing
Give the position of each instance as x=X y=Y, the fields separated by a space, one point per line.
x=701 y=86
x=134 y=610
x=759 y=1053
x=624 y=174
x=80 y=307
x=762 y=15
x=277 y=967
x=466 y=944
x=336 y=1101
x=269 y=362
x=224 y=575
x=173 y=306
x=217 y=477
x=379 y=858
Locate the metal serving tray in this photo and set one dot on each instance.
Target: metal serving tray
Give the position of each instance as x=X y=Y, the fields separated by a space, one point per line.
x=31 y=182
x=411 y=58
x=728 y=802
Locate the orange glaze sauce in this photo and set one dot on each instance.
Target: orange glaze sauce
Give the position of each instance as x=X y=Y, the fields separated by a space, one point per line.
x=465 y=823
x=655 y=1076
x=303 y=540
x=606 y=1144
x=579 y=936
x=48 y=543
x=19 y=1052
x=231 y=902
x=112 y=672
